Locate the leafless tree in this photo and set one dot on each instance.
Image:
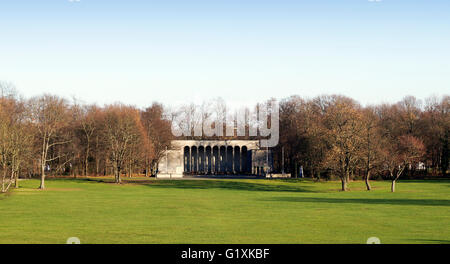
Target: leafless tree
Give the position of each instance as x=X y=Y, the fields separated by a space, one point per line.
x=50 y=116
x=402 y=152
x=158 y=135
x=343 y=128
x=85 y=116
x=122 y=127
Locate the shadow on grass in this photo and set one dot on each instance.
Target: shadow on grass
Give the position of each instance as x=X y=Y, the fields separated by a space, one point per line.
x=420 y=202
x=438 y=180
x=229 y=185
x=432 y=241
x=3 y=196
x=207 y=184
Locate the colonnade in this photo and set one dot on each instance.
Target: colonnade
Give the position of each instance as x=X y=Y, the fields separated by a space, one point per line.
x=217 y=160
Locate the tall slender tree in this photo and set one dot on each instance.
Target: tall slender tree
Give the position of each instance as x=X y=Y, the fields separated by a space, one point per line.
x=50 y=116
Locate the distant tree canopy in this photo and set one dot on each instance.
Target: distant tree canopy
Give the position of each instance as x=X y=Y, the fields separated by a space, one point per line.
x=48 y=135
x=334 y=135
x=322 y=137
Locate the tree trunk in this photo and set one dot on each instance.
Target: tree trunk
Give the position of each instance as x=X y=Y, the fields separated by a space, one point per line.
x=117 y=172
x=43 y=162
x=16 y=183
x=130 y=169
x=97 y=166
x=86 y=159
x=42 y=186
x=367 y=181
x=86 y=164
x=345 y=181
x=295 y=171
x=344 y=184
x=97 y=161
x=393 y=186
x=3 y=178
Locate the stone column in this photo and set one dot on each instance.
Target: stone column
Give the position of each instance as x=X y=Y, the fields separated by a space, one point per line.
x=197 y=163
x=226 y=159
x=205 y=167
x=189 y=160
x=192 y=159
x=196 y=160
x=210 y=165
x=218 y=159
x=212 y=160
x=240 y=160
x=233 y=160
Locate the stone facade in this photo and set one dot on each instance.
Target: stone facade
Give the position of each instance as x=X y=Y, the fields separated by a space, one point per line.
x=214 y=157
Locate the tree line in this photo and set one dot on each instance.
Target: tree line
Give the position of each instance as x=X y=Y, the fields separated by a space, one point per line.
x=335 y=135
x=326 y=136
x=48 y=135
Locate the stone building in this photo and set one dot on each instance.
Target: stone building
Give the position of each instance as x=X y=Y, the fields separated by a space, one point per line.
x=214 y=157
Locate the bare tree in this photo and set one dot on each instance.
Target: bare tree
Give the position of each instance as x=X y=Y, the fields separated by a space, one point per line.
x=8 y=90
x=122 y=128
x=21 y=141
x=158 y=135
x=405 y=151
x=5 y=140
x=371 y=144
x=343 y=123
x=15 y=137
x=85 y=116
x=50 y=115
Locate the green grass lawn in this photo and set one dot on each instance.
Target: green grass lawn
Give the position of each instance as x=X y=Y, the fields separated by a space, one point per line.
x=225 y=211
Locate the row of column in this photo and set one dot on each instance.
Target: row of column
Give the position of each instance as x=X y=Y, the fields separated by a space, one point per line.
x=217 y=160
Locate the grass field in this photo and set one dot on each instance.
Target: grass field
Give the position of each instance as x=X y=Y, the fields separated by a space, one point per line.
x=225 y=211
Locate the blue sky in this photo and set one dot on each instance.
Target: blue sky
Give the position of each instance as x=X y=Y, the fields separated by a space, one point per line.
x=244 y=51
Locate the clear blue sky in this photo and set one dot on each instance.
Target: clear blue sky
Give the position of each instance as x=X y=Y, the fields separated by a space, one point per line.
x=242 y=50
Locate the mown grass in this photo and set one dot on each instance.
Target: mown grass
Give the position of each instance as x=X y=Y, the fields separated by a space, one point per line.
x=225 y=211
